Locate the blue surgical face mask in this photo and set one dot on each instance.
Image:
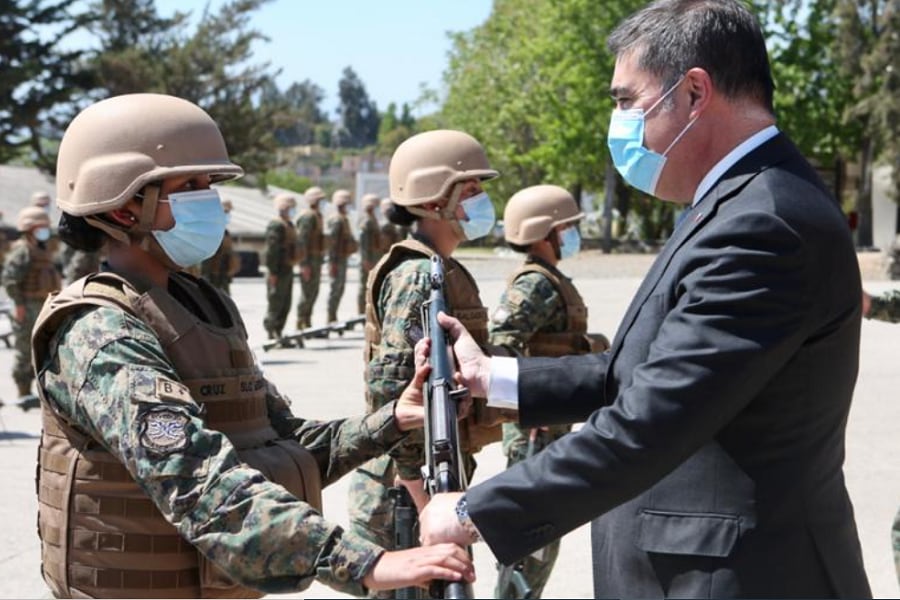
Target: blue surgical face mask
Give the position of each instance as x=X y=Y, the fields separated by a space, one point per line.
x=569 y=242
x=199 y=227
x=479 y=216
x=42 y=234
x=640 y=167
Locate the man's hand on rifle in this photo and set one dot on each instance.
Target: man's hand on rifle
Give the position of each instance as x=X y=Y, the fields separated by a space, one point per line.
x=474 y=365
x=422 y=348
x=418 y=566
x=409 y=413
x=438 y=522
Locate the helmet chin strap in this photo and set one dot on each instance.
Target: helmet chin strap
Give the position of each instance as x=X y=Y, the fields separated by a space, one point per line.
x=447 y=213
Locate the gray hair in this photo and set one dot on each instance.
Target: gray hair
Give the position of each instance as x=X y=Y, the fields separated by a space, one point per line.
x=669 y=37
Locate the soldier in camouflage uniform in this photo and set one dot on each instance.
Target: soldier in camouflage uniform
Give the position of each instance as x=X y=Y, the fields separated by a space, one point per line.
x=281 y=255
x=29 y=274
x=221 y=267
x=886 y=307
x=391 y=233
x=540 y=314
x=170 y=467
x=370 y=247
x=341 y=244
x=446 y=210
x=311 y=251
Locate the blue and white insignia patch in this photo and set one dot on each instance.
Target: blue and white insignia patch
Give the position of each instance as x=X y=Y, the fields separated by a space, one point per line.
x=163 y=431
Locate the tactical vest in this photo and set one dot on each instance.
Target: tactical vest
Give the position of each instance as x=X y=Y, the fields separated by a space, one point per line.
x=574 y=339
x=42 y=276
x=291 y=248
x=373 y=242
x=483 y=424
x=344 y=243
x=100 y=534
x=313 y=247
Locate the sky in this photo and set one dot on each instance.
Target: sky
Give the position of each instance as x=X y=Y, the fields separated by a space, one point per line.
x=393 y=45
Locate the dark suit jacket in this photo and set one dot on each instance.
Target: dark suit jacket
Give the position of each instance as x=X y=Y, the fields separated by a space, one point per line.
x=713 y=466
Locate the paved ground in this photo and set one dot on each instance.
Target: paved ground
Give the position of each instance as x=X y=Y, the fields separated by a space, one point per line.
x=325 y=381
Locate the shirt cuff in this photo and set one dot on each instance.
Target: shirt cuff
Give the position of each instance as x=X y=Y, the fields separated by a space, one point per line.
x=503 y=390
x=382 y=426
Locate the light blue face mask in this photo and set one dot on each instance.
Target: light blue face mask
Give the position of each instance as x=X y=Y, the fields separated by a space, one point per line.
x=640 y=167
x=199 y=227
x=569 y=242
x=42 y=234
x=479 y=216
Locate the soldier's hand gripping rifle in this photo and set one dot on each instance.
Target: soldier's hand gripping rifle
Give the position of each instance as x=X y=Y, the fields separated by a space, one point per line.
x=443 y=470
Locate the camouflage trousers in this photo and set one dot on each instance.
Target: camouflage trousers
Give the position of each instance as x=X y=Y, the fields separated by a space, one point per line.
x=537 y=566
x=279 y=303
x=336 y=291
x=309 y=291
x=372 y=509
x=361 y=296
x=22 y=371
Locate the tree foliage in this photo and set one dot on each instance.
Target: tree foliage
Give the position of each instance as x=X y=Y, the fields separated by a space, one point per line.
x=38 y=79
x=359 y=117
x=530 y=84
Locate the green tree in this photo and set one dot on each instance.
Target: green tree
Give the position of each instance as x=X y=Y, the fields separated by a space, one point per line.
x=359 y=117
x=393 y=130
x=298 y=111
x=868 y=48
x=211 y=66
x=38 y=79
x=530 y=84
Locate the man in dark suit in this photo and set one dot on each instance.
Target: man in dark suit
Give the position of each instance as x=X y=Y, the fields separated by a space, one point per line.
x=712 y=454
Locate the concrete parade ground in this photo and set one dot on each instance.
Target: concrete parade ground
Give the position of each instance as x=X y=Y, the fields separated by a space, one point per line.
x=325 y=381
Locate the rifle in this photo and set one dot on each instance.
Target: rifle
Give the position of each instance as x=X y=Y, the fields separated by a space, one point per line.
x=405 y=525
x=511 y=582
x=443 y=470
x=296 y=338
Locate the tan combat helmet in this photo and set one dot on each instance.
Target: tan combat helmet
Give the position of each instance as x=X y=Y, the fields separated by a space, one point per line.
x=31 y=217
x=313 y=195
x=370 y=201
x=426 y=167
x=284 y=202
x=41 y=199
x=115 y=148
x=532 y=213
x=341 y=198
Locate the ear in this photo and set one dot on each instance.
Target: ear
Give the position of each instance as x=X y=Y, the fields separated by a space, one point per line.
x=700 y=88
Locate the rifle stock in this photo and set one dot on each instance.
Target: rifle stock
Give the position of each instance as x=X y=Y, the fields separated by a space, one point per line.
x=444 y=471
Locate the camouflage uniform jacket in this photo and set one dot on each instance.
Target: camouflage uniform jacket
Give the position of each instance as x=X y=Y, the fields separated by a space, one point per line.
x=105 y=367
x=281 y=247
x=886 y=307
x=370 y=243
x=310 y=238
x=30 y=272
x=341 y=242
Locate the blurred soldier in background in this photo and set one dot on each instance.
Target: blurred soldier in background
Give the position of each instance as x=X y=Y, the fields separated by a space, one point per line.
x=341 y=244
x=540 y=314
x=221 y=267
x=370 y=247
x=4 y=239
x=391 y=232
x=29 y=274
x=311 y=250
x=436 y=182
x=281 y=255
